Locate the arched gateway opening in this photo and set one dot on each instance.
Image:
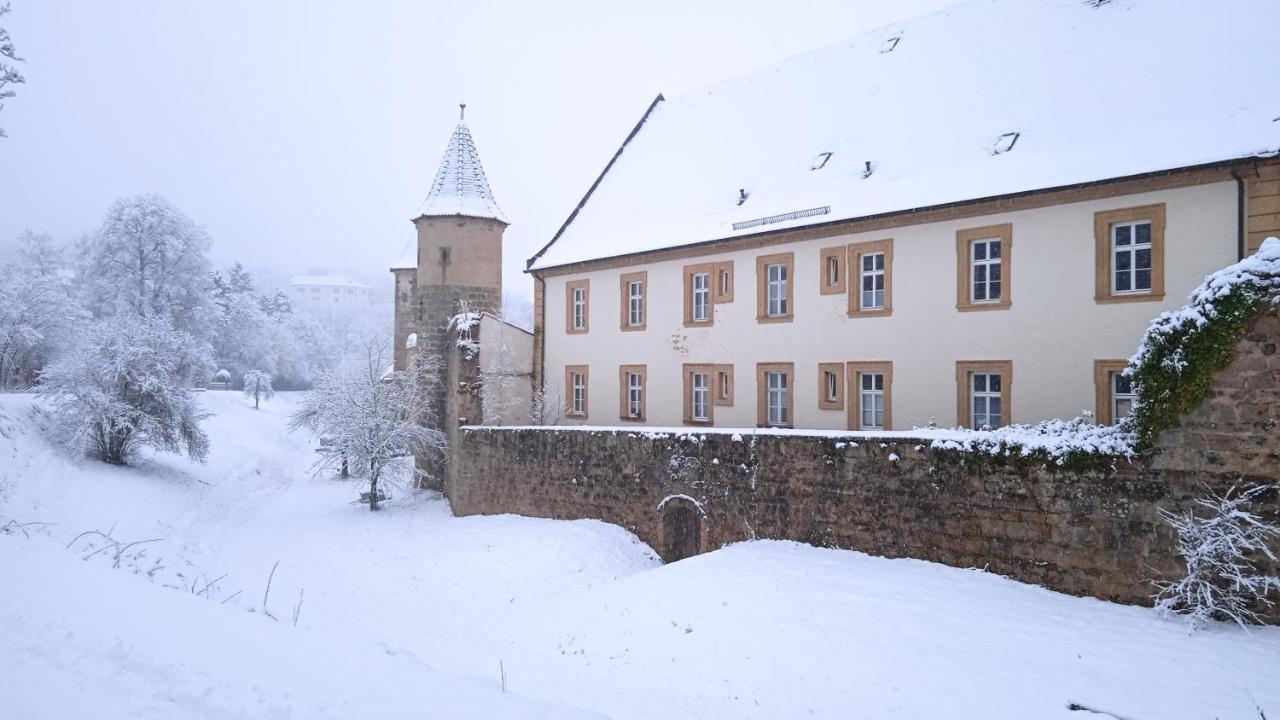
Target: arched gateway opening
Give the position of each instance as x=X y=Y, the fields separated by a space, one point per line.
x=681 y=529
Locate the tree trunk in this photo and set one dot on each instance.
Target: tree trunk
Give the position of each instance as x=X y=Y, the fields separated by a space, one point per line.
x=373 y=486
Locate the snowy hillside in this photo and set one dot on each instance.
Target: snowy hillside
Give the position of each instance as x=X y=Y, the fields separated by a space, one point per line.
x=414 y=613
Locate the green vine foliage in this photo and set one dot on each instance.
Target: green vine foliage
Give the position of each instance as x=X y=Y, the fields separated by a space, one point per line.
x=1174 y=368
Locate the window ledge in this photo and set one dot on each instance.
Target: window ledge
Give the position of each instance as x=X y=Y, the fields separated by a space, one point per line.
x=774 y=318
x=980 y=306
x=878 y=312
x=1128 y=298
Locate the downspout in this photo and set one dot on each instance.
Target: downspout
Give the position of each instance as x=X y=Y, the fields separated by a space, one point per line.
x=1235 y=173
x=540 y=328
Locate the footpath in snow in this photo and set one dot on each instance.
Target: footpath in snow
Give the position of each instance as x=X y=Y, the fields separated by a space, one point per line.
x=414 y=613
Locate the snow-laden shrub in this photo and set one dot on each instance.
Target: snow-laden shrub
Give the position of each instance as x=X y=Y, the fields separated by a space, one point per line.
x=257 y=387
x=1076 y=443
x=1219 y=546
x=367 y=416
x=126 y=384
x=1176 y=361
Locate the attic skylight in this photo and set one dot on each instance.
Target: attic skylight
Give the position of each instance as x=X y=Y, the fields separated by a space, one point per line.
x=1004 y=143
x=820 y=161
x=782 y=218
x=890 y=44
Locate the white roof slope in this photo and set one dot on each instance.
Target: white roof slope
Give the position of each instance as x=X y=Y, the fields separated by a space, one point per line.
x=461 y=187
x=1125 y=88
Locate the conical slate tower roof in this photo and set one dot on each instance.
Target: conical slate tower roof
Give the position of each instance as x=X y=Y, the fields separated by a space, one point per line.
x=460 y=187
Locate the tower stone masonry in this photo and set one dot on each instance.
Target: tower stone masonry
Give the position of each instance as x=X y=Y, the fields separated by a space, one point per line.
x=457 y=268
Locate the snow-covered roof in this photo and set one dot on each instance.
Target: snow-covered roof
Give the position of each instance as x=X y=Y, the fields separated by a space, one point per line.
x=408 y=261
x=325 y=281
x=987 y=98
x=460 y=187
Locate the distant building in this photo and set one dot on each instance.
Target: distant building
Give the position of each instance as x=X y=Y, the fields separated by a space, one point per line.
x=320 y=292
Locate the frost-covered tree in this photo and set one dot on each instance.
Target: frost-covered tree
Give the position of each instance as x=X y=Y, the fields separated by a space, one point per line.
x=367 y=416
x=9 y=74
x=1220 y=546
x=37 y=313
x=257 y=386
x=149 y=260
x=127 y=384
x=240 y=339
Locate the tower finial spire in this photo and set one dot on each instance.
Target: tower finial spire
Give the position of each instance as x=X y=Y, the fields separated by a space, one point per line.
x=462 y=112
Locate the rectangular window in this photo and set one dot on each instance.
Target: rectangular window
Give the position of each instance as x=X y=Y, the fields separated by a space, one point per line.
x=986 y=398
x=1131 y=257
x=985 y=256
x=1129 y=254
x=983 y=397
x=701 y=397
x=829 y=382
x=701 y=297
x=577 y=306
x=774 y=287
x=871 y=292
x=698 y=400
x=631 y=392
x=699 y=305
x=872 y=281
x=724 y=385
x=723 y=272
x=831 y=386
x=774 y=396
x=871 y=400
x=575 y=381
x=632 y=300
x=1114 y=393
x=983 y=265
x=833 y=273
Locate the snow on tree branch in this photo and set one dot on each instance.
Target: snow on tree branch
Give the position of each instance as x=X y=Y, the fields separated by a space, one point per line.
x=9 y=74
x=257 y=386
x=1220 y=546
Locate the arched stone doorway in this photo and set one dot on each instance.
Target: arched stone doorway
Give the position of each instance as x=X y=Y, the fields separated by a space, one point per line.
x=681 y=529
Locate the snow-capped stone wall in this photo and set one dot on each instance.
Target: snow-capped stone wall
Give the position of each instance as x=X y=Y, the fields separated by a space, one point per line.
x=1083 y=528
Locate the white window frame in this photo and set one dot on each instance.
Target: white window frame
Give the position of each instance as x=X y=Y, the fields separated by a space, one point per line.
x=871 y=401
x=833 y=270
x=635 y=395
x=831 y=385
x=635 y=303
x=578 y=390
x=876 y=277
x=776 y=284
x=1131 y=250
x=776 y=397
x=700 y=396
x=986 y=263
x=724 y=383
x=579 y=308
x=983 y=399
x=1116 y=397
x=701 y=289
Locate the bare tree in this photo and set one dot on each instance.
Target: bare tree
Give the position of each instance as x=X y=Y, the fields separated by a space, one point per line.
x=368 y=416
x=1219 y=546
x=257 y=385
x=9 y=74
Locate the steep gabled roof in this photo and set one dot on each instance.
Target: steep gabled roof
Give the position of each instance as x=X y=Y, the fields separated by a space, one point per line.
x=460 y=187
x=987 y=98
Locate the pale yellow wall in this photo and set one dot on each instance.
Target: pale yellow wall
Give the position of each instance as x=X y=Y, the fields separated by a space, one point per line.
x=1053 y=332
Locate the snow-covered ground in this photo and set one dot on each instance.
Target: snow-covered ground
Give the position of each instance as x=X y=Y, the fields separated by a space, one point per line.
x=414 y=613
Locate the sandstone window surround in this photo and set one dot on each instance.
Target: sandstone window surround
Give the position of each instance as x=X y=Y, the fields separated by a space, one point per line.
x=871 y=281
x=698 y=406
x=723 y=281
x=633 y=390
x=870 y=394
x=1113 y=393
x=832 y=278
x=724 y=385
x=577 y=298
x=699 y=302
x=984 y=267
x=831 y=386
x=1129 y=254
x=775 y=288
x=633 y=301
x=577 y=380
x=984 y=393
x=775 y=396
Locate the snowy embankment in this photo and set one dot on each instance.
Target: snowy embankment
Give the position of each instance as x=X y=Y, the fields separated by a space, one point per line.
x=577 y=613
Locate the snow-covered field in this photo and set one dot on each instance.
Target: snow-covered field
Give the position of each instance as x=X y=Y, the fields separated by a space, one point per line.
x=414 y=613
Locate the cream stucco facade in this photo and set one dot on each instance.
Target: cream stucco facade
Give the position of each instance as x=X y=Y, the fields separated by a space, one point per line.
x=1052 y=331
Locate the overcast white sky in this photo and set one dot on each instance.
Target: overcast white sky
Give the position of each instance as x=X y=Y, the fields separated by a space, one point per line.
x=305 y=134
